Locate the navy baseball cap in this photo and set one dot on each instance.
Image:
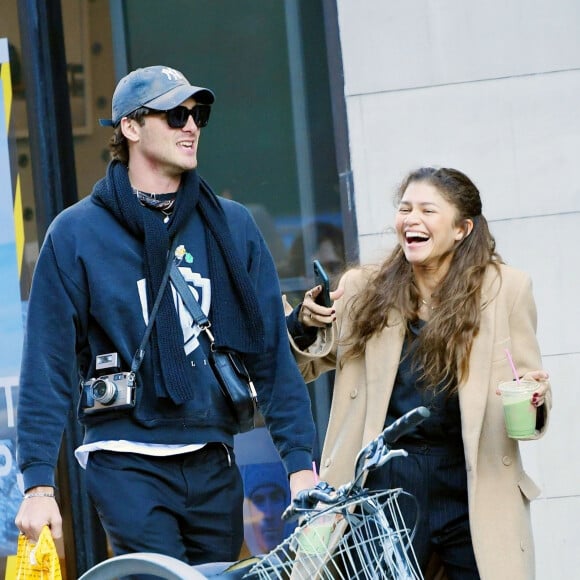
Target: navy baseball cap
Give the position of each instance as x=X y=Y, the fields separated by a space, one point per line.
x=156 y=87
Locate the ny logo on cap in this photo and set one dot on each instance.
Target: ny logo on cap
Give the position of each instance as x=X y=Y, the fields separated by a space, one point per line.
x=172 y=74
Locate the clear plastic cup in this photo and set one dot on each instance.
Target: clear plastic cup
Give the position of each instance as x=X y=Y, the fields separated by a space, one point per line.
x=315 y=537
x=519 y=413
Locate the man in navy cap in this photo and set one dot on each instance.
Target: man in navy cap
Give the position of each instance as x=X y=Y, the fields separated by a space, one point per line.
x=266 y=498
x=158 y=451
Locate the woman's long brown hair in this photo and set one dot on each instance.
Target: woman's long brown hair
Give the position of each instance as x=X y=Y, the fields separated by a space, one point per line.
x=444 y=344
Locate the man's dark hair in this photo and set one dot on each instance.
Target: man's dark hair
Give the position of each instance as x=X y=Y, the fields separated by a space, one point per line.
x=118 y=143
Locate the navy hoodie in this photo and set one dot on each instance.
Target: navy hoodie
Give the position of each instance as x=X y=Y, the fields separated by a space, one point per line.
x=88 y=298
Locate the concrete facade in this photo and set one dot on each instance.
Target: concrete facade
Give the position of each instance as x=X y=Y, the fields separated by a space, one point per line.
x=490 y=88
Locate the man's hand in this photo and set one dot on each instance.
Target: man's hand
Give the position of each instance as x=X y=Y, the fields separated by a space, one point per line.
x=37 y=511
x=300 y=480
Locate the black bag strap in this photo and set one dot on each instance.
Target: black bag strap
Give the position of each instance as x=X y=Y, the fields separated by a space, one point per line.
x=140 y=352
x=190 y=302
x=203 y=322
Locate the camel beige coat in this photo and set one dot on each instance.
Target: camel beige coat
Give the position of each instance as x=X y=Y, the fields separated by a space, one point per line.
x=499 y=490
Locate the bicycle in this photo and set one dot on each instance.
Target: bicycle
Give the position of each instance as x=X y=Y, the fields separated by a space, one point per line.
x=348 y=533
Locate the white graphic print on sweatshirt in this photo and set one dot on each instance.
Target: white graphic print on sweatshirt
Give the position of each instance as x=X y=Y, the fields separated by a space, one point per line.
x=201 y=289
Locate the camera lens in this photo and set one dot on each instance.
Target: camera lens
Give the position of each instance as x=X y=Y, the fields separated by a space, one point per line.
x=104 y=391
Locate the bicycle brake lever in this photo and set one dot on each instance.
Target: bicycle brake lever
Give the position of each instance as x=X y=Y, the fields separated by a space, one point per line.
x=374 y=455
x=307 y=499
x=390 y=454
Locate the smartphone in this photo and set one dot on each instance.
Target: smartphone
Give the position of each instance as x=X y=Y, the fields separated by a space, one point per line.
x=321 y=278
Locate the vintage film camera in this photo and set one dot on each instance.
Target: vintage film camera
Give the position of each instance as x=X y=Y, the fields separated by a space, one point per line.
x=113 y=391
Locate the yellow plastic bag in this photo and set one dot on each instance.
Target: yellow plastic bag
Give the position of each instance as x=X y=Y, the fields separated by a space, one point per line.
x=37 y=561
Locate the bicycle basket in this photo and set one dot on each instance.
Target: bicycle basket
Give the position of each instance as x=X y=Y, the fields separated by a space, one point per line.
x=362 y=538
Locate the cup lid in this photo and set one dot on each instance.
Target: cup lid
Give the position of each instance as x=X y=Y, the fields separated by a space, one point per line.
x=514 y=387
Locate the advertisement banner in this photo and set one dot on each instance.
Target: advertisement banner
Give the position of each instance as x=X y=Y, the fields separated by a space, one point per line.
x=266 y=492
x=10 y=318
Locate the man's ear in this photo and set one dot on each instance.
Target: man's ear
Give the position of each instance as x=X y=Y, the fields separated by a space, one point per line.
x=130 y=129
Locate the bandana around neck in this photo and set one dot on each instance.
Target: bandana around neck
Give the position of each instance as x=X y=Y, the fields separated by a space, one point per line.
x=162 y=202
x=235 y=313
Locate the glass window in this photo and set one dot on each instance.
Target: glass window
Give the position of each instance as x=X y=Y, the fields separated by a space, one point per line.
x=269 y=143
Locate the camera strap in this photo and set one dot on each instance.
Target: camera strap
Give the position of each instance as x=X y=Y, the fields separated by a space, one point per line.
x=140 y=353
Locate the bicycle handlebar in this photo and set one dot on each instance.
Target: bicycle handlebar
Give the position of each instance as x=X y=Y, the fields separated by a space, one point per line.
x=404 y=424
x=378 y=451
x=373 y=455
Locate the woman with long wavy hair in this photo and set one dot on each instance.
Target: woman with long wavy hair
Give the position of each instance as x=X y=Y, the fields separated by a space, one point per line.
x=430 y=326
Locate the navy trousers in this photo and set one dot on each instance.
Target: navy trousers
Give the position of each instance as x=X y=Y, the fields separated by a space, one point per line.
x=437 y=479
x=186 y=506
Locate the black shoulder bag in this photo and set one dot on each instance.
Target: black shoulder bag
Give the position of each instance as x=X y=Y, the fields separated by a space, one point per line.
x=230 y=371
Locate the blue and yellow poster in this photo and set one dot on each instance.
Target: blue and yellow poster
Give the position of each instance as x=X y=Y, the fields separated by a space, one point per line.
x=10 y=315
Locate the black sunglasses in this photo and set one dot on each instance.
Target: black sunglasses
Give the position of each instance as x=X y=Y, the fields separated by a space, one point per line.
x=177 y=118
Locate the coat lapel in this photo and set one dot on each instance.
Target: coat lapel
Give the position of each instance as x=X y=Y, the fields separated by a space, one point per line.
x=474 y=392
x=382 y=356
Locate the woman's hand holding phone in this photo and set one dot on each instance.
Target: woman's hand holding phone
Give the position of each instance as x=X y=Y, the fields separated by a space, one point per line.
x=317 y=307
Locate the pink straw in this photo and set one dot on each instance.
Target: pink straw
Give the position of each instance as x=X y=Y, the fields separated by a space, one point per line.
x=511 y=361
x=316 y=479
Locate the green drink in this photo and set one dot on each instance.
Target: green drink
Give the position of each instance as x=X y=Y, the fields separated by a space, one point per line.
x=519 y=413
x=313 y=547
x=314 y=539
